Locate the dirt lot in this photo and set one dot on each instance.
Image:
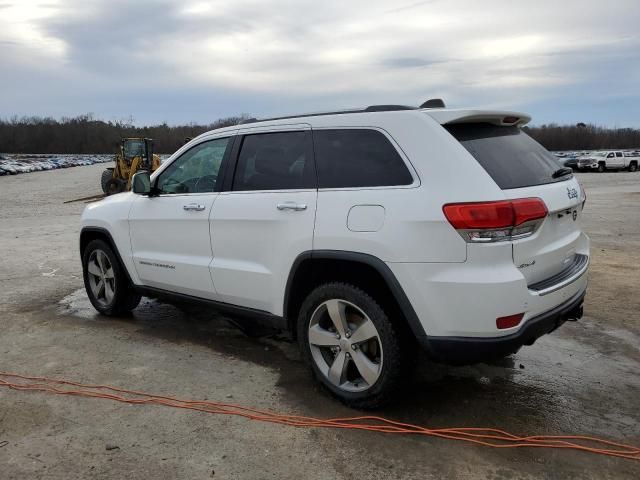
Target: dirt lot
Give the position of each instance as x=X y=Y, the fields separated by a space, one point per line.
x=583 y=379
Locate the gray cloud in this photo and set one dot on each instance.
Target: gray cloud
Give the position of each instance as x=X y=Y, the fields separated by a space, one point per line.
x=177 y=61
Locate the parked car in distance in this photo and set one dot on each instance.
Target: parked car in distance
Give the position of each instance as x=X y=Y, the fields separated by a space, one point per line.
x=571 y=161
x=350 y=231
x=609 y=160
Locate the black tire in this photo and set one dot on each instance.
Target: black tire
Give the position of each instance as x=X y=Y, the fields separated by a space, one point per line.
x=633 y=166
x=107 y=175
x=394 y=366
x=115 y=185
x=601 y=168
x=124 y=297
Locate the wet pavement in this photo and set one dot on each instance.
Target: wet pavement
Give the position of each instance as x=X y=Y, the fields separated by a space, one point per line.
x=582 y=379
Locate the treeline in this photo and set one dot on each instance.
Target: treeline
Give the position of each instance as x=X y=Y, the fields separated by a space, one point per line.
x=584 y=137
x=85 y=134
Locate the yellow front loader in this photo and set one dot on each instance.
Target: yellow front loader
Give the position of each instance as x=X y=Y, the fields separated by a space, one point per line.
x=134 y=154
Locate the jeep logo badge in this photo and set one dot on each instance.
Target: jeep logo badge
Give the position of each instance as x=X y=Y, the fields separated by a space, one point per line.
x=572 y=192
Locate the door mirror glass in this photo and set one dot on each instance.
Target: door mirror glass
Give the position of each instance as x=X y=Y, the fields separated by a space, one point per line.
x=141 y=183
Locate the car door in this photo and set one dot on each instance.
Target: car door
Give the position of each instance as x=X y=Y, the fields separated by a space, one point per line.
x=264 y=219
x=169 y=232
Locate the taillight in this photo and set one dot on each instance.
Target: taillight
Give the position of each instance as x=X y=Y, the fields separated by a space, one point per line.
x=496 y=221
x=509 y=322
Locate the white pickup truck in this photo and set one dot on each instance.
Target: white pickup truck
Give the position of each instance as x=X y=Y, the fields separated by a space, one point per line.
x=609 y=160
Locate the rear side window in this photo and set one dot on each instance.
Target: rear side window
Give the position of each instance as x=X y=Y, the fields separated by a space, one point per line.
x=509 y=155
x=357 y=158
x=275 y=161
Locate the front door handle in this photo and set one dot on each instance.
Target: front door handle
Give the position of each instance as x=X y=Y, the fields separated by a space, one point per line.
x=292 y=206
x=194 y=206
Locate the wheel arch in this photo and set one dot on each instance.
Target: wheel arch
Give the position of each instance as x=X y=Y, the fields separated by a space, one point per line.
x=368 y=272
x=88 y=234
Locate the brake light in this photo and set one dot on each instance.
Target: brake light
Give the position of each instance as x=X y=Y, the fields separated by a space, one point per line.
x=496 y=221
x=509 y=321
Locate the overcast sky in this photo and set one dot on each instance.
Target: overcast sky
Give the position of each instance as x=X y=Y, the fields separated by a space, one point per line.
x=195 y=61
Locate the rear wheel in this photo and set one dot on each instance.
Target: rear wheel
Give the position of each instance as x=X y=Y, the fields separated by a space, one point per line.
x=351 y=346
x=105 y=280
x=107 y=175
x=633 y=166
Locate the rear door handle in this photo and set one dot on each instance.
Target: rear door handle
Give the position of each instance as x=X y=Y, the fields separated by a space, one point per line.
x=292 y=206
x=194 y=206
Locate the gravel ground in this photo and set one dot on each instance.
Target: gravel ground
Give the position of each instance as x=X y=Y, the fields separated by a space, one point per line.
x=582 y=379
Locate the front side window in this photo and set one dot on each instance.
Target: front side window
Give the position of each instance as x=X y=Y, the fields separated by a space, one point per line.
x=196 y=171
x=275 y=161
x=357 y=158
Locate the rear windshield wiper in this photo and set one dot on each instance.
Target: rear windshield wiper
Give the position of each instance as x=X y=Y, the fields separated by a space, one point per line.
x=561 y=172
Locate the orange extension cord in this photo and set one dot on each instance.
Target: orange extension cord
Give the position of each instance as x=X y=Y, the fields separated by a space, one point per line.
x=489 y=437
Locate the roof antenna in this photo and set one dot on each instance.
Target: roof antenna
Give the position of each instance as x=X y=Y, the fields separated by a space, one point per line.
x=433 y=103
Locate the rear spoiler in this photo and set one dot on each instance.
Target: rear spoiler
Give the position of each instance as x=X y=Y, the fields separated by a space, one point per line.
x=501 y=118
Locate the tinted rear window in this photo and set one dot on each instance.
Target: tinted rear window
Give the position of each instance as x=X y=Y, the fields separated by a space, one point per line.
x=509 y=155
x=357 y=158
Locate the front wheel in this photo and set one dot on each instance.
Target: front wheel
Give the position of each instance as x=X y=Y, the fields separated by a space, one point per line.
x=351 y=346
x=601 y=168
x=115 y=185
x=107 y=174
x=105 y=280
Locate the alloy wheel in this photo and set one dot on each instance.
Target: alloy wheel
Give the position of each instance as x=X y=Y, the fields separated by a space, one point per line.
x=345 y=345
x=101 y=277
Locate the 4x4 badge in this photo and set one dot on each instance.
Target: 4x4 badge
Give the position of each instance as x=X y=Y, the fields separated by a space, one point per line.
x=572 y=192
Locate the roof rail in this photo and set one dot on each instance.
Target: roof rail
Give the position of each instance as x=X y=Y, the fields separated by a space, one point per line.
x=370 y=108
x=387 y=108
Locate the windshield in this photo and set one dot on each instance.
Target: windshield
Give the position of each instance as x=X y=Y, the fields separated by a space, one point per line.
x=134 y=148
x=509 y=155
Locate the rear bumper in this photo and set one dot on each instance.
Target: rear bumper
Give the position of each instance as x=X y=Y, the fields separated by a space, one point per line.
x=468 y=350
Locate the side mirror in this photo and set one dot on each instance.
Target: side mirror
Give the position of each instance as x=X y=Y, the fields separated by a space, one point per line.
x=141 y=183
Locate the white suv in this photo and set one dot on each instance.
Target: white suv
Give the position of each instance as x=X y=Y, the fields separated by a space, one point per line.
x=363 y=233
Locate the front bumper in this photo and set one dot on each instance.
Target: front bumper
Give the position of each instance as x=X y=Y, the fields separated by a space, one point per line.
x=468 y=350
x=587 y=165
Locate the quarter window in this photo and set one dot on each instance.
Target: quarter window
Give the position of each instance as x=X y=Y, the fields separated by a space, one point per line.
x=275 y=161
x=357 y=158
x=196 y=170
